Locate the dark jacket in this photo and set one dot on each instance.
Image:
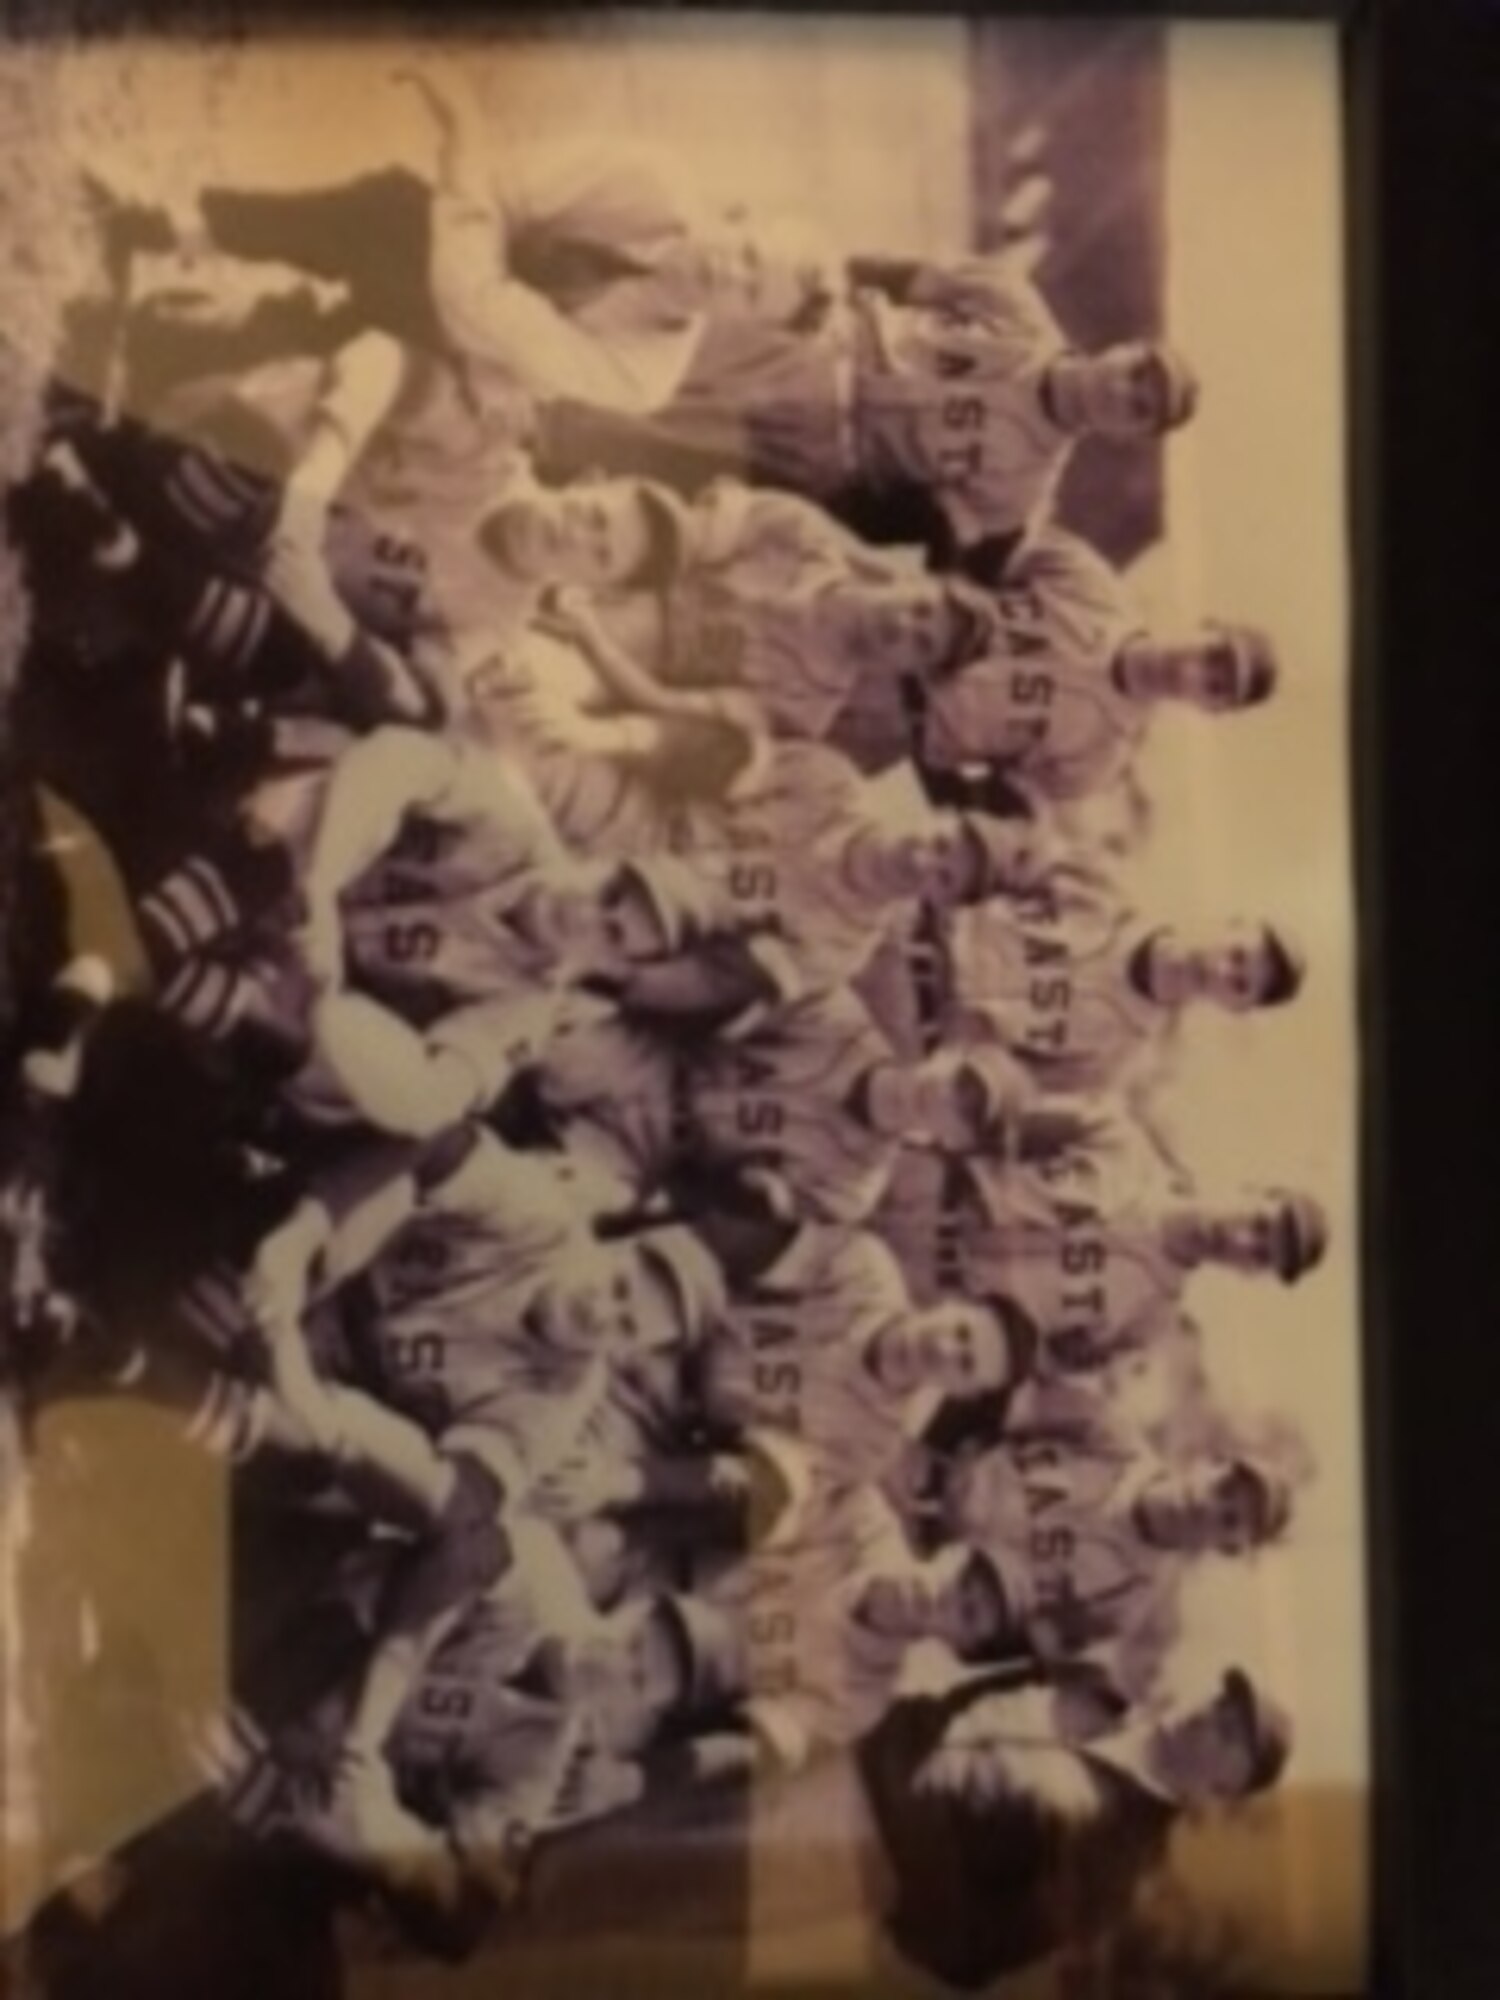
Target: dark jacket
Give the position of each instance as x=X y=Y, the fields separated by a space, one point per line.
x=985 y=1890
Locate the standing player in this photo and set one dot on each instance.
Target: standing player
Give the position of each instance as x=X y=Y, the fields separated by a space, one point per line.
x=951 y=381
x=804 y=1115
x=1055 y=687
x=1085 y=991
x=818 y=1365
x=1093 y=1278
x=1093 y=1534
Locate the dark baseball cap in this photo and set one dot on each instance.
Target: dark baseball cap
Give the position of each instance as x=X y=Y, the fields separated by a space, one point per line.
x=1267 y=1727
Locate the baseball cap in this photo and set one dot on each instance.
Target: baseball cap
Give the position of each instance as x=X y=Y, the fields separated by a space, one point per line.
x=690 y=1271
x=1180 y=384
x=1287 y=966
x=992 y=848
x=1267 y=1726
x=1256 y=666
x=1301 y=1233
x=710 y=1650
x=681 y=901
x=1272 y=1491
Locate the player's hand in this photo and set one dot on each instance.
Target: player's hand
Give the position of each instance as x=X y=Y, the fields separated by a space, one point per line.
x=277 y=1282
x=595 y=1782
x=360 y=1818
x=568 y=609
x=319 y=945
x=297 y=576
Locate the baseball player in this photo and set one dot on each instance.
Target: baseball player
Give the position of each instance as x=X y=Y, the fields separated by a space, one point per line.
x=582 y=269
x=828 y=1622
x=1094 y=1538
x=1049 y=683
x=433 y=883
x=819 y=1366
x=434 y=1768
x=1087 y=992
x=764 y=592
x=952 y=379
x=1092 y=1277
x=803 y=1114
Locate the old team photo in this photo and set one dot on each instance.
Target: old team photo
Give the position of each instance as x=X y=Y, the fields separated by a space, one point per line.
x=678 y=1216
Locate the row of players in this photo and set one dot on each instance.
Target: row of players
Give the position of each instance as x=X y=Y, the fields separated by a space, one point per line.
x=749 y=1300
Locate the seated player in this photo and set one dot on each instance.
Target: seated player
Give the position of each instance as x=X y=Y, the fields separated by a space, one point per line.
x=583 y=270
x=1088 y=993
x=814 y=1375
x=828 y=1621
x=1094 y=1534
x=1054 y=690
x=947 y=385
x=803 y=1115
x=1092 y=1278
x=425 y=878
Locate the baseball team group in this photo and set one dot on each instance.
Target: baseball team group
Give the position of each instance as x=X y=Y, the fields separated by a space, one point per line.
x=635 y=1116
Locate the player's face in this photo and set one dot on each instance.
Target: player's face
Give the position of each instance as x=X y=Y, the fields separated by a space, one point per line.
x=768 y=270
x=594 y=923
x=1122 y=392
x=594 y=533
x=1231 y=967
x=611 y=1302
x=953 y=1349
x=1200 y=1510
x=909 y=625
x=1247 y=1240
x=1206 y=670
x=950 y=1105
x=1206 y=1752
x=939 y=866
x=949 y=1597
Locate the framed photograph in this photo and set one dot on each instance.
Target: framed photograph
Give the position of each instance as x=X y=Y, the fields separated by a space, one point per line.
x=683 y=1195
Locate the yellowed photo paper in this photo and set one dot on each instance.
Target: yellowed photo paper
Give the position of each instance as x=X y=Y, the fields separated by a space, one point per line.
x=679 y=1200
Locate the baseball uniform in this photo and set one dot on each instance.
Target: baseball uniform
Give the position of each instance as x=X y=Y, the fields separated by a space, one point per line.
x=817 y=1675
x=1052 y=1504
x=783 y=1099
x=438 y=1326
x=1094 y=1281
x=1037 y=701
x=784 y=1360
x=752 y=603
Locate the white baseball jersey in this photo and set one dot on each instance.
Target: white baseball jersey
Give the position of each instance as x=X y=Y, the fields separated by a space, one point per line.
x=785 y=861
x=1052 y=978
x=1053 y=1504
x=1042 y=701
x=948 y=395
x=816 y=1675
x=1039 y=700
x=1095 y=1282
x=437 y=1327
x=401 y=544
x=907 y=984
x=751 y=605
x=786 y=1357
x=485 y=1754
x=436 y=918
x=780 y=1098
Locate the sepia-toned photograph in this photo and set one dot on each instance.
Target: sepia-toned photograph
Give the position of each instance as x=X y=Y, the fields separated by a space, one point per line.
x=679 y=1207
